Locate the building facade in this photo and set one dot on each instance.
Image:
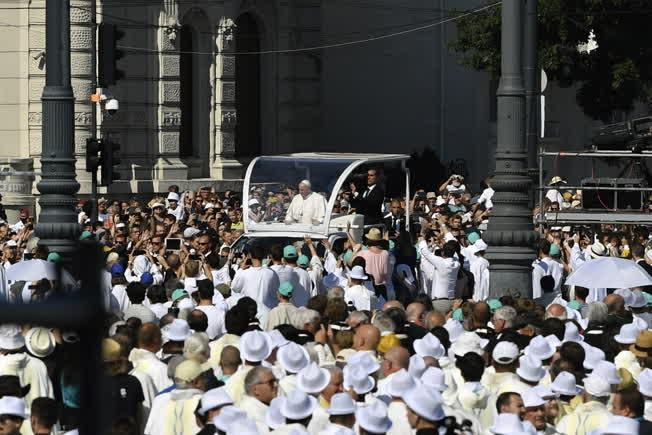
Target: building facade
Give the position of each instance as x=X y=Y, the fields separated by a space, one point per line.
x=211 y=83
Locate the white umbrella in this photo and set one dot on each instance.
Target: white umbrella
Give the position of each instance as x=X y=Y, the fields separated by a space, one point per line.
x=609 y=272
x=32 y=270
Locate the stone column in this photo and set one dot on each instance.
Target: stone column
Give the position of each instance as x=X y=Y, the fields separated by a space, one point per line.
x=510 y=234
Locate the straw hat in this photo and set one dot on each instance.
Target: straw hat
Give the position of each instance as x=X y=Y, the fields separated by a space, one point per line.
x=374 y=234
x=643 y=345
x=40 y=342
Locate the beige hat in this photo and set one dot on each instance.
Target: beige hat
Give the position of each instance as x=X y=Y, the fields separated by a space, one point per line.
x=557 y=179
x=188 y=371
x=111 y=350
x=374 y=234
x=40 y=342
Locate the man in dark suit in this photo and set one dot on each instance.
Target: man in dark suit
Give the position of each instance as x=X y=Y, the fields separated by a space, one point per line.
x=395 y=220
x=369 y=202
x=638 y=253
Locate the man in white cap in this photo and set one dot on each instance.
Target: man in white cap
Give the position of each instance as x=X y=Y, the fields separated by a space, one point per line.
x=313 y=380
x=399 y=384
x=357 y=294
x=592 y=413
x=177 y=408
x=535 y=413
x=15 y=361
x=297 y=409
x=260 y=386
x=173 y=206
x=255 y=347
x=255 y=212
x=12 y=415
x=480 y=271
x=306 y=208
x=210 y=406
x=425 y=411
x=342 y=415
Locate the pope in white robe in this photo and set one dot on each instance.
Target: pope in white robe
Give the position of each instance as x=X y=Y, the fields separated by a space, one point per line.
x=307 y=208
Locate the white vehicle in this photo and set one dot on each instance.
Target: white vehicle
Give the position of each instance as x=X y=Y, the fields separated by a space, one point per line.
x=266 y=186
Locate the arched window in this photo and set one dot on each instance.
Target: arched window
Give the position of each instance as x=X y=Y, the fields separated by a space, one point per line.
x=247 y=87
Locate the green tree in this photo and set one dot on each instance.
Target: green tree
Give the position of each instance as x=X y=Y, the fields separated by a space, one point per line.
x=614 y=76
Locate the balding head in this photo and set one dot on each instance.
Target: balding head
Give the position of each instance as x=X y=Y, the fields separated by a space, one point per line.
x=230 y=360
x=393 y=304
x=415 y=312
x=396 y=358
x=556 y=311
x=434 y=319
x=366 y=337
x=615 y=303
x=481 y=313
x=149 y=337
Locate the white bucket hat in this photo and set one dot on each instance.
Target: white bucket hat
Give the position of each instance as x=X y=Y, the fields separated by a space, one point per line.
x=627 y=334
x=276 y=339
x=243 y=426
x=434 y=377
x=639 y=299
x=565 y=385
x=607 y=370
x=597 y=250
x=619 y=425
x=364 y=360
x=571 y=333
x=173 y=196
x=215 y=398
x=429 y=345
x=10 y=405
x=416 y=366
x=312 y=379
x=426 y=403
x=469 y=342
x=400 y=383
x=644 y=381
x=298 y=405
x=373 y=418
x=178 y=330
x=507 y=424
x=454 y=328
x=555 y=343
x=40 y=342
x=531 y=398
x=593 y=356
x=357 y=379
x=597 y=386
x=358 y=273
x=273 y=418
x=255 y=346
x=292 y=357
x=544 y=392
x=341 y=404
x=540 y=348
x=530 y=368
x=11 y=337
x=227 y=416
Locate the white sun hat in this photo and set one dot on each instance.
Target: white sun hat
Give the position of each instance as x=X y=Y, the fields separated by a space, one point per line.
x=607 y=370
x=530 y=368
x=277 y=339
x=227 y=416
x=11 y=337
x=638 y=299
x=173 y=196
x=400 y=383
x=596 y=386
x=571 y=333
x=531 y=398
x=626 y=294
x=565 y=384
x=255 y=346
x=435 y=378
x=358 y=273
x=554 y=341
x=507 y=424
x=416 y=366
x=10 y=405
x=215 y=398
x=592 y=356
x=292 y=357
x=178 y=330
x=619 y=425
x=40 y=342
x=469 y=342
x=544 y=392
x=341 y=404
x=298 y=405
x=627 y=334
x=429 y=345
x=540 y=348
x=364 y=360
x=454 y=328
x=426 y=403
x=312 y=379
x=373 y=418
x=644 y=381
x=357 y=379
x=243 y=426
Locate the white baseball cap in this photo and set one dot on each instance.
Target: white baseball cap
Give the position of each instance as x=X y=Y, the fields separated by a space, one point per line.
x=505 y=352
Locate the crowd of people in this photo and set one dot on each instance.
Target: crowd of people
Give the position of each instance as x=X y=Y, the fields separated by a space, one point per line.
x=394 y=332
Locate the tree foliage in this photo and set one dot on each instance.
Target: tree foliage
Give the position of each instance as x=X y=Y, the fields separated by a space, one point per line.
x=612 y=77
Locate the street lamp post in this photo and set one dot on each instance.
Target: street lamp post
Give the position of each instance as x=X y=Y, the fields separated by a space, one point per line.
x=57 y=227
x=510 y=234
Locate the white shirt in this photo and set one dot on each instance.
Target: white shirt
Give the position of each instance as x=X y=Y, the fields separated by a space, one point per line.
x=445 y=276
x=176 y=212
x=301 y=294
x=308 y=211
x=485 y=197
x=215 y=320
x=554 y=196
x=361 y=297
x=480 y=271
x=259 y=283
x=147 y=362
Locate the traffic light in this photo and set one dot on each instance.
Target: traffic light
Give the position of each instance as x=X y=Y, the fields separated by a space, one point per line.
x=110 y=158
x=93 y=147
x=108 y=54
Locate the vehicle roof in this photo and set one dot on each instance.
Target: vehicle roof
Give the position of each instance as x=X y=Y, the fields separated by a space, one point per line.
x=370 y=157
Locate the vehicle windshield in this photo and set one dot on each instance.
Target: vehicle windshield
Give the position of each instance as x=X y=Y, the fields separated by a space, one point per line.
x=293 y=195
